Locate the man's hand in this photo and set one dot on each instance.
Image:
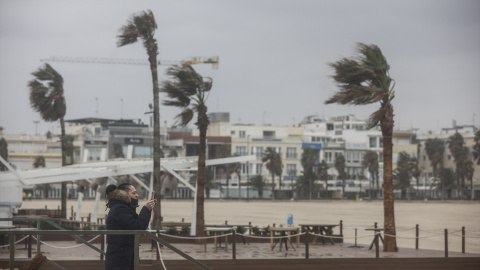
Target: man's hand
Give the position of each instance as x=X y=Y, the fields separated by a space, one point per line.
x=150 y=204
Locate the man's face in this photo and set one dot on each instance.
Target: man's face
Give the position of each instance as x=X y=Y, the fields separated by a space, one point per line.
x=132 y=192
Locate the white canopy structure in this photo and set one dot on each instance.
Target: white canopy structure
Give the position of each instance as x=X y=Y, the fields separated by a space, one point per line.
x=12 y=182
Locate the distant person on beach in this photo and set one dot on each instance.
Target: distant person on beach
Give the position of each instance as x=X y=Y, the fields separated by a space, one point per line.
x=123 y=201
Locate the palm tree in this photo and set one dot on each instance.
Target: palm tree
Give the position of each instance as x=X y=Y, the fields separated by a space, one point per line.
x=459 y=151
x=446 y=181
x=402 y=174
x=173 y=153
x=366 y=80
x=3 y=153
x=469 y=170
x=340 y=167
x=118 y=150
x=322 y=172
x=370 y=161
x=435 y=149
x=188 y=91
x=46 y=98
x=308 y=161
x=274 y=165
x=142 y=26
x=40 y=163
x=229 y=169
x=476 y=147
x=258 y=183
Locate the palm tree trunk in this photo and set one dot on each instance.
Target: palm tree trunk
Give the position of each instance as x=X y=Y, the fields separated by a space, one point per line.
x=273 y=186
x=157 y=180
x=390 y=244
x=202 y=126
x=63 y=213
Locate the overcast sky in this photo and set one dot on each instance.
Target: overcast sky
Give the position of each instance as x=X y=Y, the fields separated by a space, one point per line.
x=273 y=57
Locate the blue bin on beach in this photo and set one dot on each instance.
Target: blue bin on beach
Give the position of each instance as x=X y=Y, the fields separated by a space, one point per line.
x=290 y=220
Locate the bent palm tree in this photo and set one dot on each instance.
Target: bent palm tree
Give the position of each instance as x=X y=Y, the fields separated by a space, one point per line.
x=459 y=151
x=340 y=167
x=3 y=153
x=142 y=26
x=308 y=161
x=189 y=91
x=46 y=98
x=370 y=161
x=274 y=165
x=366 y=80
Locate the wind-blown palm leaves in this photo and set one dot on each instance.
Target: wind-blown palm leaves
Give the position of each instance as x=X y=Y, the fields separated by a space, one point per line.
x=46 y=98
x=370 y=161
x=435 y=149
x=142 y=26
x=476 y=147
x=460 y=153
x=366 y=80
x=274 y=165
x=189 y=91
x=308 y=162
x=3 y=153
x=340 y=167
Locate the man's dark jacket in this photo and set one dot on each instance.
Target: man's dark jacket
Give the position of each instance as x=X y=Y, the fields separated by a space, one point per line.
x=122 y=216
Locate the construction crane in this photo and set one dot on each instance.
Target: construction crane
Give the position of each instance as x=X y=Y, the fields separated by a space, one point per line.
x=129 y=61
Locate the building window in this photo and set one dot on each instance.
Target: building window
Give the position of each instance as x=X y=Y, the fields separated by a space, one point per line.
x=291 y=152
x=381 y=142
x=232 y=132
x=291 y=169
x=373 y=142
x=143 y=152
x=241 y=150
x=328 y=156
x=241 y=134
x=259 y=168
x=257 y=151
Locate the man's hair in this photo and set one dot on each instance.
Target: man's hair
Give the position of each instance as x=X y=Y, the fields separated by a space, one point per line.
x=124 y=186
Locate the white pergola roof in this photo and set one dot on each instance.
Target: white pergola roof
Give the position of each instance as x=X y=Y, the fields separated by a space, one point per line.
x=109 y=168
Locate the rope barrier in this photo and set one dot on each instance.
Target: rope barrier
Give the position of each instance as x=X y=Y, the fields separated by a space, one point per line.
x=50 y=245
x=401 y=230
x=339 y=237
x=15 y=242
x=465 y=235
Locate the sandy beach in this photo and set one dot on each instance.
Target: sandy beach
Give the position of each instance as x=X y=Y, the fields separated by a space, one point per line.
x=433 y=217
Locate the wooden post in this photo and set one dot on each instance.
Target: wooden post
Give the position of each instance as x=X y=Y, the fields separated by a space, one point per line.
x=446 y=243
x=30 y=246
x=234 y=247
x=341 y=227
x=157 y=245
x=102 y=245
x=377 y=252
x=416 y=237
x=307 y=239
x=136 y=259
x=463 y=239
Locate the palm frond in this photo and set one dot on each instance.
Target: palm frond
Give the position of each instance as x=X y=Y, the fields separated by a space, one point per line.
x=185 y=117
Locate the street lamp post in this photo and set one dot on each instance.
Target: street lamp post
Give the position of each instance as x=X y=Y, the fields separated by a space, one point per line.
x=248 y=168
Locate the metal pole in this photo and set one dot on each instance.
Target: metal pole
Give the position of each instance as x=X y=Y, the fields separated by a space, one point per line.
x=377 y=252
x=463 y=239
x=416 y=237
x=446 y=243
x=11 y=241
x=307 y=239
x=234 y=247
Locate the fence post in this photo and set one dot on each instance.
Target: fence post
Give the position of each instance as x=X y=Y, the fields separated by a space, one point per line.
x=102 y=245
x=30 y=246
x=463 y=239
x=377 y=252
x=341 y=228
x=38 y=237
x=307 y=239
x=136 y=253
x=446 y=243
x=234 y=246
x=416 y=237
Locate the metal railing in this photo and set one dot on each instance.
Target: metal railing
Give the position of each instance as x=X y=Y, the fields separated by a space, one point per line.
x=75 y=233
